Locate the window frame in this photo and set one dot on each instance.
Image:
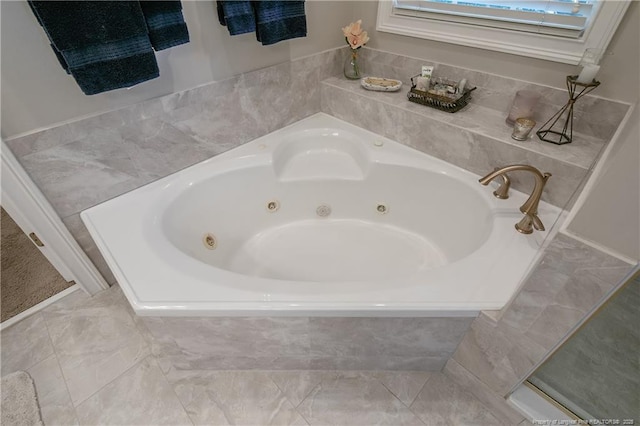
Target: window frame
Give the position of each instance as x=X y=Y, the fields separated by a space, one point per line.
x=551 y=48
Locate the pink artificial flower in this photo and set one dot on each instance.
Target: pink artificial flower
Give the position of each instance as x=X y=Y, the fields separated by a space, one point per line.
x=356 y=38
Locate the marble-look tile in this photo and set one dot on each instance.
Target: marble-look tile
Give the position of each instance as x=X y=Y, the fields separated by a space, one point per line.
x=452 y=139
x=219 y=343
x=159 y=149
x=444 y=402
x=95 y=339
x=570 y=256
x=495 y=403
x=554 y=323
x=223 y=127
x=522 y=343
x=354 y=399
x=593 y=115
x=76 y=227
x=540 y=290
x=296 y=385
x=80 y=174
x=53 y=397
x=479 y=120
x=367 y=337
x=305 y=343
x=233 y=398
x=69 y=132
x=25 y=344
x=108 y=162
x=405 y=385
x=482 y=350
x=45 y=139
x=380 y=362
x=141 y=396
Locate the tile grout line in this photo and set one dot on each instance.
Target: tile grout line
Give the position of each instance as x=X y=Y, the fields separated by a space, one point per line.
x=137 y=325
x=64 y=379
x=135 y=365
x=307 y=397
x=173 y=390
x=295 y=407
x=466 y=390
x=419 y=392
x=401 y=402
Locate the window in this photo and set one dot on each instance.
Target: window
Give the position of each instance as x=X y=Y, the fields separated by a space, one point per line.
x=555 y=30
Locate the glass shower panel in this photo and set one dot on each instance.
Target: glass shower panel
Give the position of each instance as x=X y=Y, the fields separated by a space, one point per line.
x=596 y=373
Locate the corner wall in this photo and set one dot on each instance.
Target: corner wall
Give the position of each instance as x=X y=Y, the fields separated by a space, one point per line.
x=37 y=93
x=610 y=212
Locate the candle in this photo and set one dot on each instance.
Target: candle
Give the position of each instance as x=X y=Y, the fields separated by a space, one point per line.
x=521 y=128
x=523 y=105
x=588 y=73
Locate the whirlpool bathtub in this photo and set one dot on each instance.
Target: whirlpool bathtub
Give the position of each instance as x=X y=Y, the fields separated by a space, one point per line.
x=320 y=218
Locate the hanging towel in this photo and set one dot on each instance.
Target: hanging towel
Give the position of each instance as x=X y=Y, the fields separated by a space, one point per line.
x=238 y=16
x=273 y=21
x=279 y=20
x=165 y=23
x=105 y=45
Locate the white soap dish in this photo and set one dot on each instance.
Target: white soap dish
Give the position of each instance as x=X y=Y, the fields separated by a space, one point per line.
x=380 y=84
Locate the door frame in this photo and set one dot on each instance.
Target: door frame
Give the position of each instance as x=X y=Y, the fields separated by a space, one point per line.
x=32 y=212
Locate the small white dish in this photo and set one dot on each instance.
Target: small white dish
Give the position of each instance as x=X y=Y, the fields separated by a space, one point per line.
x=380 y=84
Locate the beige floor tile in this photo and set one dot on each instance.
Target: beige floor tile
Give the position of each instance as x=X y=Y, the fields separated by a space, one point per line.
x=405 y=385
x=354 y=398
x=53 y=397
x=443 y=402
x=25 y=344
x=297 y=385
x=233 y=398
x=141 y=396
x=95 y=339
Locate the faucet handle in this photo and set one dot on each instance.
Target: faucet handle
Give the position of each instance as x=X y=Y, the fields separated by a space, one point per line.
x=537 y=223
x=528 y=222
x=503 y=190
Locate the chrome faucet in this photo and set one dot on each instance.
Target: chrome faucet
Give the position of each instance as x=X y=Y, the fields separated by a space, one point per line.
x=530 y=207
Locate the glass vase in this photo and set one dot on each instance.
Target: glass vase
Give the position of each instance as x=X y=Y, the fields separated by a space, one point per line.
x=352 y=66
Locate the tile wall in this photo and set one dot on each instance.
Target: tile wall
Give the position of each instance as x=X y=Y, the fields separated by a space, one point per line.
x=305 y=343
x=500 y=350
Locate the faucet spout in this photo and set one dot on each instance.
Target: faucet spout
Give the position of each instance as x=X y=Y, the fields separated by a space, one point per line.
x=530 y=207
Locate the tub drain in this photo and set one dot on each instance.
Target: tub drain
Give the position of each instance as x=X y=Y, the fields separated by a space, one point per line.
x=382 y=209
x=209 y=241
x=273 y=206
x=323 y=210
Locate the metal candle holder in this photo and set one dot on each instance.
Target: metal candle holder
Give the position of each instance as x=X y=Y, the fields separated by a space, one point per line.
x=546 y=132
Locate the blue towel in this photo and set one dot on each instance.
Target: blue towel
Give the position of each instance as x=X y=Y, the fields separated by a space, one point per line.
x=273 y=21
x=238 y=16
x=280 y=20
x=165 y=23
x=106 y=45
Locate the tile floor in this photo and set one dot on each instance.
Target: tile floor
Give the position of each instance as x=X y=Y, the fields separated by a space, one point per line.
x=92 y=364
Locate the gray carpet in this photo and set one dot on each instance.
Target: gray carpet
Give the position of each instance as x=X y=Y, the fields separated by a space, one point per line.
x=27 y=276
x=19 y=401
